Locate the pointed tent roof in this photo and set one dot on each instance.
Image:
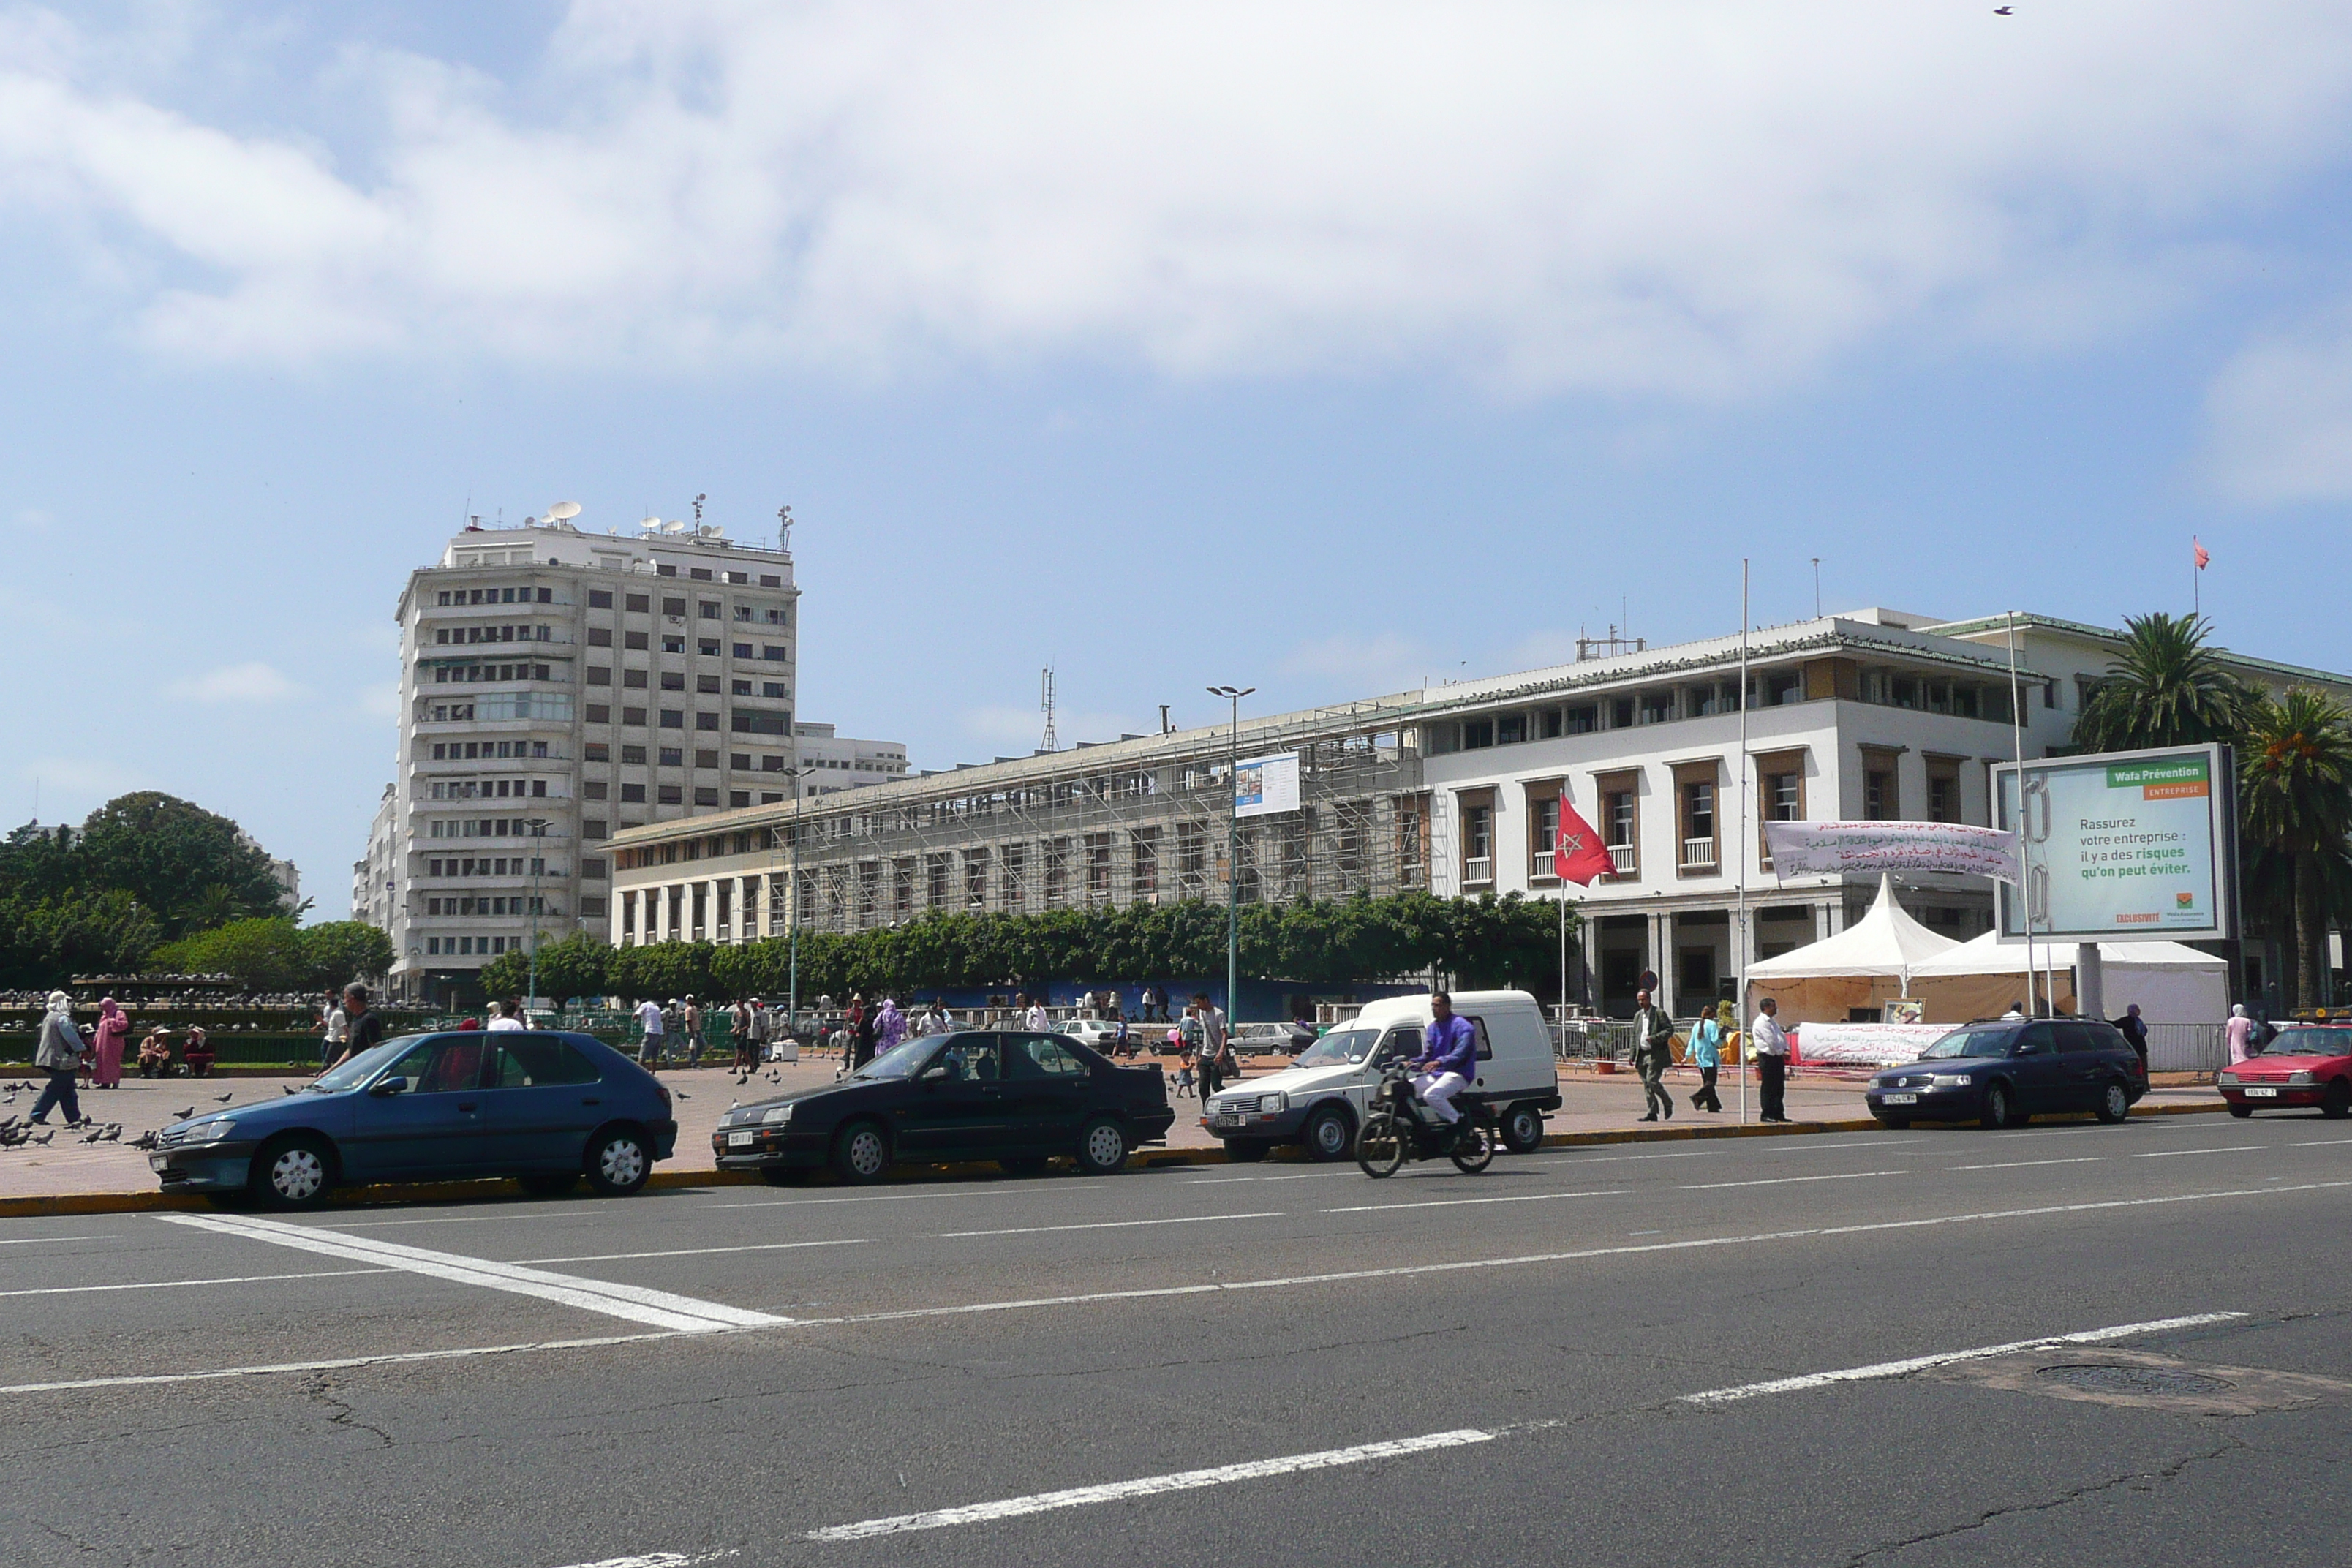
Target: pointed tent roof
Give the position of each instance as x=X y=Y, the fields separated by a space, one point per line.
x=1987 y=955
x=1883 y=941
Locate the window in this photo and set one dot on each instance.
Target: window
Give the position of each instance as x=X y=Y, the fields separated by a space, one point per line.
x=639 y=602
x=1943 y=789
x=707 y=647
x=672 y=680
x=673 y=718
x=632 y=793
x=771 y=581
x=670 y=795
x=598 y=713
x=598 y=752
x=762 y=723
x=1551 y=730
x=592 y=789
x=1658 y=707
x=637 y=641
x=665 y=571
x=740 y=689
x=673 y=645
x=1510 y=729
x=673 y=756
x=706 y=795
x=632 y=717
x=674 y=607
x=1042 y=1056
x=599 y=675
x=770 y=764
x=772 y=653
x=736 y=797
x=1878 y=794
x=742 y=650
x=1478 y=733
x=634 y=679
x=1581 y=720
x=774 y=689
x=709 y=683
x=599 y=598
x=600 y=636
x=709 y=609
x=698 y=573
x=592 y=827
x=706 y=720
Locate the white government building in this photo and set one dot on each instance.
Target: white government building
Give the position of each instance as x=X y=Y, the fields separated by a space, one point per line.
x=559 y=687
x=1871 y=714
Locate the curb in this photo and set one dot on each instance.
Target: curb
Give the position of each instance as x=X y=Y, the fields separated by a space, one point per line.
x=67 y=1204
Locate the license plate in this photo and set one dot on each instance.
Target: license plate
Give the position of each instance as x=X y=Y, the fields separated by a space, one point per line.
x=1900 y=1099
x=157 y=1162
x=741 y=1140
x=1228 y=1118
x=2261 y=1092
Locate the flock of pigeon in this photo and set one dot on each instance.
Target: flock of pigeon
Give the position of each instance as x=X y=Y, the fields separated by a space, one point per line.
x=17 y=1133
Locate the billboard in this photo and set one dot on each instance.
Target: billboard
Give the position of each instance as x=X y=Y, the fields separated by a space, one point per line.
x=2123 y=847
x=1264 y=786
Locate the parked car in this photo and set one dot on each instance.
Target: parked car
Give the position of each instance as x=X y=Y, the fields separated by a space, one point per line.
x=2306 y=1065
x=1271 y=1040
x=1101 y=1036
x=1323 y=1096
x=1015 y=1096
x=545 y=1106
x=2005 y=1072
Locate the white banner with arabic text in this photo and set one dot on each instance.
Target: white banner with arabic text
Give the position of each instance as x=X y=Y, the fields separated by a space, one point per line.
x=1827 y=848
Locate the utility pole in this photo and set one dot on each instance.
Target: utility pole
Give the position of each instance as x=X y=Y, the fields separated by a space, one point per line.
x=791 y=902
x=537 y=866
x=1233 y=855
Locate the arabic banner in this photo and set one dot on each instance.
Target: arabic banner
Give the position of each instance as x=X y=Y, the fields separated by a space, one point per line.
x=1826 y=849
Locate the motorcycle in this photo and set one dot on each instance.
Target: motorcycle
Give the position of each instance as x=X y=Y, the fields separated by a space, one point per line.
x=1402 y=1127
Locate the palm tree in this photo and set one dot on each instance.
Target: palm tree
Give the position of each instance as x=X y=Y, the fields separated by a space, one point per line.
x=2166 y=688
x=2294 y=795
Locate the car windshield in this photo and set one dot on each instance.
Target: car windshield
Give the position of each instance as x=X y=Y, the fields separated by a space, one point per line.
x=1970 y=1043
x=363 y=1067
x=2301 y=1040
x=900 y=1061
x=1338 y=1046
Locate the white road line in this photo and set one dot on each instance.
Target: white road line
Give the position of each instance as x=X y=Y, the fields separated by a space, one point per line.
x=2020 y=1164
x=657 y=1559
x=1612 y=1159
x=30 y=1240
x=696 y=1251
x=175 y=1284
x=1920 y=1363
x=2175 y=1153
x=1459 y=1202
x=1784 y=1181
x=1827 y=1146
x=497 y=1216
x=659 y=1308
x=2320 y=1142
x=142 y=1379
x=1108 y=1225
x=873 y=1198
x=1399 y=1447
x=1153 y=1486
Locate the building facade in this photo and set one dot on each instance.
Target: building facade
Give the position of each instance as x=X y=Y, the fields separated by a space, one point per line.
x=559 y=687
x=1876 y=714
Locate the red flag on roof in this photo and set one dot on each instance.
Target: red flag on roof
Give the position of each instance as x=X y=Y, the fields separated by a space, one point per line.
x=1577 y=856
x=2203 y=558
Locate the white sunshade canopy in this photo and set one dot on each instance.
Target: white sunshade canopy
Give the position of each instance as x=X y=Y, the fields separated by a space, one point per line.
x=1987 y=955
x=1885 y=942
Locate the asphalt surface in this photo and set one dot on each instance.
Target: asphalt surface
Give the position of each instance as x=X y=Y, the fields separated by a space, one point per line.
x=825 y=1375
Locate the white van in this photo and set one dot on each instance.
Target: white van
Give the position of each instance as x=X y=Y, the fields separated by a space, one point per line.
x=1319 y=1100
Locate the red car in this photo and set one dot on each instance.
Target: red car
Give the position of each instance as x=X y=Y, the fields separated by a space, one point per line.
x=2307 y=1065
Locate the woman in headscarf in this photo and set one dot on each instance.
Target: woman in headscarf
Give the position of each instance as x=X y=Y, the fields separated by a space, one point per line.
x=2240 y=1034
x=58 y=1055
x=889 y=1025
x=113 y=1029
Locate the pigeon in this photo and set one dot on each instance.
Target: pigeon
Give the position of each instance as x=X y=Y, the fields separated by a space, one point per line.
x=184 y=1113
x=223 y=1098
x=45 y=1134
x=113 y=1133
x=92 y=1137
x=2004 y=10
x=144 y=1140
x=683 y=1095
x=288 y=1089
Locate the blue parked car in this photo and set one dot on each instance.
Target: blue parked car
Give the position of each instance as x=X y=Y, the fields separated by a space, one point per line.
x=545 y=1106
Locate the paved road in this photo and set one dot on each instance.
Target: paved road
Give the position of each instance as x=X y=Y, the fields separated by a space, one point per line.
x=1265 y=1365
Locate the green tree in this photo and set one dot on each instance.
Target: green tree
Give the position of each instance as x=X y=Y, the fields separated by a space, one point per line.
x=2166 y=688
x=47 y=941
x=336 y=953
x=2294 y=793
x=264 y=955
x=573 y=966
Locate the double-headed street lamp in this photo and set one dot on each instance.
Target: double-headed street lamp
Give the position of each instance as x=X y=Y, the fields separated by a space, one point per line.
x=1234 y=694
x=792 y=899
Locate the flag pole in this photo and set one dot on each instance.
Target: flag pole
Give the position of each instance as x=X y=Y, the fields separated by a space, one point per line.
x=1741 y=861
x=2024 y=855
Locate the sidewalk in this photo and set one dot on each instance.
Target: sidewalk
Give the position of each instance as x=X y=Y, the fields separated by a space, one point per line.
x=1591 y=1105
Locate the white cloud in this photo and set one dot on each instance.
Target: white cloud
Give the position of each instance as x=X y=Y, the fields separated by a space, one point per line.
x=1382 y=663
x=65 y=781
x=254 y=682
x=2279 y=417
x=1697 y=198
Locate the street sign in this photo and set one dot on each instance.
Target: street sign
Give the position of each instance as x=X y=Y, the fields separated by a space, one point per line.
x=2124 y=847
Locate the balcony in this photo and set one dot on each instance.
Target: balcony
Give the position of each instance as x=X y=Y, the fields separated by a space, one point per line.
x=1621 y=860
x=1478 y=871
x=1539 y=866
x=1699 y=855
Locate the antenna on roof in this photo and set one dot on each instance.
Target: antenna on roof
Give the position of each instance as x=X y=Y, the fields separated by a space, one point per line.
x=698 y=508
x=1047 y=702
x=784 y=529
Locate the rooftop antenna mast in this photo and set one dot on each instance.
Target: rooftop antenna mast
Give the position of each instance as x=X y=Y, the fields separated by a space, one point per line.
x=784 y=529
x=1047 y=702
x=698 y=508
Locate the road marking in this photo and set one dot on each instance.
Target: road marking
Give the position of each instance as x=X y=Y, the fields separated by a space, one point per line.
x=1610 y=1159
x=684 y=1314
x=142 y=1379
x=507 y=1215
x=2020 y=1164
x=1107 y=1224
x=30 y=1240
x=1458 y=1203
x=1464 y=1436
x=175 y=1284
x=696 y=1251
x=1825 y=1146
x=1784 y=1181
x=1885 y=1369
x=2320 y=1142
x=874 y=1198
x=657 y=1559
x=2175 y=1153
x=1153 y=1486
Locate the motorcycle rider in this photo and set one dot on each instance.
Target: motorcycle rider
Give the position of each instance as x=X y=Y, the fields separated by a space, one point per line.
x=1449 y=1060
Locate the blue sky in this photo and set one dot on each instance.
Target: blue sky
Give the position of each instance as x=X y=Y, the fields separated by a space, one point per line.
x=1325 y=349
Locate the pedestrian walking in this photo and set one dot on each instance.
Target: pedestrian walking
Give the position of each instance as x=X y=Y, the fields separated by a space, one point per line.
x=1145 y=1003
x=363 y=1030
x=862 y=1032
x=58 y=1055
x=650 y=1046
x=2242 y=1034
x=505 y=1016
x=1653 y=1052
x=1705 y=1053
x=889 y=1026
x=334 y=1030
x=106 y=1049
x=691 y=1015
x=1035 y=1019
x=2135 y=1030
x=1184 y=1072
x=933 y=1019
x=1195 y=1032
x=1768 y=1043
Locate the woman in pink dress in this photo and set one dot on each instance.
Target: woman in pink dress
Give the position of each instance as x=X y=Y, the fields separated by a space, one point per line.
x=113 y=1028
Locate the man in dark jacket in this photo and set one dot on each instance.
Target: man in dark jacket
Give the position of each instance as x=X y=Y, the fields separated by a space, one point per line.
x=1653 y=1052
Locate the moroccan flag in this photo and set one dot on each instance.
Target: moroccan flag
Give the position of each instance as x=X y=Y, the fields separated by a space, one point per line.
x=1578 y=856
x=2204 y=559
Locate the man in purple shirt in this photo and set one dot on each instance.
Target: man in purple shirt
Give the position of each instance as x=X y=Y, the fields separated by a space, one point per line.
x=1449 y=1057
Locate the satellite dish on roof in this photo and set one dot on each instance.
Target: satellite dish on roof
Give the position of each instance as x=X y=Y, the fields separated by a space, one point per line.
x=564 y=511
x=673 y=528
x=650 y=524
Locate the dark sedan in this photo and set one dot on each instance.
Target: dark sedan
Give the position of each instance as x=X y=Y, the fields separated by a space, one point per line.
x=545 y=1106
x=2003 y=1072
x=1018 y=1099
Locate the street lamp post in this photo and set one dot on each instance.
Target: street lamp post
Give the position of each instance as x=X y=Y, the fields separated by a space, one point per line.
x=537 y=866
x=1233 y=855
x=793 y=904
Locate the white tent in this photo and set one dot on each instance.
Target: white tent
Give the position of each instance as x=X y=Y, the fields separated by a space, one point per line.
x=2172 y=982
x=1865 y=965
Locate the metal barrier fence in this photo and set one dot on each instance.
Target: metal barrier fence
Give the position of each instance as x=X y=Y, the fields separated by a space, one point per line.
x=2188 y=1047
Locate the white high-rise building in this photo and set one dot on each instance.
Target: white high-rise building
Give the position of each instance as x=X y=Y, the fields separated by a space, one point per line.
x=556 y=687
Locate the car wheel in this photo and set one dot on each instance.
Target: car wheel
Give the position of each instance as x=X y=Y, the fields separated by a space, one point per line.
x=861 y=1153
x=1896 y=1123
x=2000 y=1106
x=1523 y=1128
x=553 y=1185
x=1473 y=1147
x=293 y=1172
x=1245 y=1150
x=2114 y=1102
x=2240 y=1109
x=1102 y=1147
x=1379 y=1145
x=619 y=1163
x=2336 y=1103
x=1023 y=1165
x=1329 y=1135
